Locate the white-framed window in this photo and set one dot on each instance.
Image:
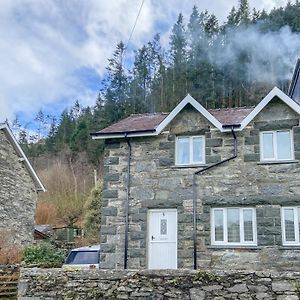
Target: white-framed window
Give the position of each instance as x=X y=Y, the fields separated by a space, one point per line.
x=290 y=219
x=190 y=150
x=276 y=145
x=233 y=226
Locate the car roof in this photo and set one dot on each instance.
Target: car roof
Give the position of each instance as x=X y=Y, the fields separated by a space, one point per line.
x=87 y=248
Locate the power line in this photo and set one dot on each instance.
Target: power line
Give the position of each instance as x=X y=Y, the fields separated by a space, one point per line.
x=133 y=28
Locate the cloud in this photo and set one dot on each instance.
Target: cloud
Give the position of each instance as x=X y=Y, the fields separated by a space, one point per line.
x=46 y=44
x=53 y=52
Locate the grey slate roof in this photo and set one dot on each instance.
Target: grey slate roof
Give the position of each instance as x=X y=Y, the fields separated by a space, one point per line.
x=149 y=122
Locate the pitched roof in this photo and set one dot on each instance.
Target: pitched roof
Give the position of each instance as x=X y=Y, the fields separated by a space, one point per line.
x=294 y=90
x=231 y=116
x=136 y=123
x=20 y=152
x=153 y=124
x=149 y=122
x=275 y=92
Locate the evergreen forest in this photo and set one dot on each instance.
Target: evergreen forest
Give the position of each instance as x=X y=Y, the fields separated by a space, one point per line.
x=232 y=64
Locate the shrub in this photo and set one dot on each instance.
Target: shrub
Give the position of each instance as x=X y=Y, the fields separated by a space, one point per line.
x=10 y=255
x=44 y=255
x=92 y=215
x=10 y=252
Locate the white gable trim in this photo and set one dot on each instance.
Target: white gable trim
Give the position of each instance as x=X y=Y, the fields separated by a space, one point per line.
x=188 y=100
x=20 y=152
x=264 y=102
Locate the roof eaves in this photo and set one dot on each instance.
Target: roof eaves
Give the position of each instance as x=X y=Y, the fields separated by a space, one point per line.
x=263 y=103
x=39 y=186
x=123 y=134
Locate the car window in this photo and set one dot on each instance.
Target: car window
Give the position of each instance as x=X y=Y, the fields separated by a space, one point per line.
x=83 y=257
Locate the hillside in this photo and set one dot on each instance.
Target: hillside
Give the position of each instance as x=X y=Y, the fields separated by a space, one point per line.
x=221 y=65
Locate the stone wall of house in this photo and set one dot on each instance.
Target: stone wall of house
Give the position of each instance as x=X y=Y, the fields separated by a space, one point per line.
x=17 y=197
x=157 y=183
x=248 y=182
x=148 y=284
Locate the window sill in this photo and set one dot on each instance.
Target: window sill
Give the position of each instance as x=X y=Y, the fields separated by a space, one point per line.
x=189 y=166
x=290 y=247
x=249 y=247
x=276 y=162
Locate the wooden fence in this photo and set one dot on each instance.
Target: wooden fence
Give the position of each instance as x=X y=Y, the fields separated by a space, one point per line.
x=9 y=285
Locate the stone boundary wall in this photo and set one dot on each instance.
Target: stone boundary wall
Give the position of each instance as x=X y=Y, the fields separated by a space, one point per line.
x=49 y=284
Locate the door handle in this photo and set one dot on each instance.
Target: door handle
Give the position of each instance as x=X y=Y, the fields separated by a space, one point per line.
x=152 y=237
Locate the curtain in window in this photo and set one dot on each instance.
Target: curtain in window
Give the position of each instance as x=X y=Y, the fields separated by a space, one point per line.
x=183 y=155
x=289 y=225
x=219 y=228
x=233 y=225
x=248 y=225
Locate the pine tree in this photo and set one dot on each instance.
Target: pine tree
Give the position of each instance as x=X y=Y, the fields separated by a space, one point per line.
x=243 y=12
x=178 y=46
x=232 y=18
x=116 y=87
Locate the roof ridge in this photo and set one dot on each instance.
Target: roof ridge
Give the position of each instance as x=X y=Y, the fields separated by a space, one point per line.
x=237 y=107
x=148 y=114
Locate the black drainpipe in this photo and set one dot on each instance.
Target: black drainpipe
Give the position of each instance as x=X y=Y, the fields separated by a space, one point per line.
x=127 y=201
x=195 y=190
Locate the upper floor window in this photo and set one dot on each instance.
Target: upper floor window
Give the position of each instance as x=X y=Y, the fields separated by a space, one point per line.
x=190 y=150
x=276 y=145
x=233 y=226
x=290 y=218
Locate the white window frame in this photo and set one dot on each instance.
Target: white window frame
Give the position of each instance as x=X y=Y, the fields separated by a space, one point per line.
x=275 y=158
x=296 y=226
x=225 y=232
x=191 y=152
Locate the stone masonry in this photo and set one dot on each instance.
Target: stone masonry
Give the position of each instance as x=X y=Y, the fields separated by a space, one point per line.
x=17 y=197
x=46 y=284
x=157 y=183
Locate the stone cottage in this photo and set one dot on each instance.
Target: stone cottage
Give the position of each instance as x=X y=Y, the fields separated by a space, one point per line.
x=198 y=188
x=19 y=185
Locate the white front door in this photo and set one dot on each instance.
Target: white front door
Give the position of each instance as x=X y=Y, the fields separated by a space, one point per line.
x=162 y=239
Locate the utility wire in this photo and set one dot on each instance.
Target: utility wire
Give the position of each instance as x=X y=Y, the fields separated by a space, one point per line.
x=133 y=28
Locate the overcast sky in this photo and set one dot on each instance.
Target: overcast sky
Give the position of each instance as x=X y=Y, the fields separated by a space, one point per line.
x=55 y=51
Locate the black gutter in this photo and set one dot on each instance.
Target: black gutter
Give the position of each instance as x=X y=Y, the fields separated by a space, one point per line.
x=121 y=132
x=195 y=190
x=127 y=202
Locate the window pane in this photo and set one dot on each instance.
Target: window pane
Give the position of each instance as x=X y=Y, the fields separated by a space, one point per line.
x=289 y=225
x=233 y=225
x=197 y=149
x=268 y=150
x=183 y=153
x=219 y=230
x=248 y=225
x=284 y=145
x=163 y=227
